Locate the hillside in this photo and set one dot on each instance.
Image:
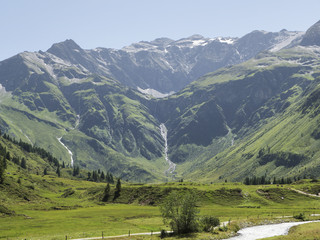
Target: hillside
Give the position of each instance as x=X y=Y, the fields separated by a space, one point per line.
x=267 y=104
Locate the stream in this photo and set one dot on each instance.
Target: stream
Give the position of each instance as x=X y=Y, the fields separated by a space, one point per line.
x=230 y=133
x=264 y=231
x=164 y=133
x=69 y=151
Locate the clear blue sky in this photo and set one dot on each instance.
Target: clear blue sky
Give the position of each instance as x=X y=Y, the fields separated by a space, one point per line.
x=32 y=25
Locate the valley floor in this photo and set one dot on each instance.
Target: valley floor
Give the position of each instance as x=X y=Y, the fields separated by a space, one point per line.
x=50 y=213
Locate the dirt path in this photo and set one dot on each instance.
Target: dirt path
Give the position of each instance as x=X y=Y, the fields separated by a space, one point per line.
x=304 y=193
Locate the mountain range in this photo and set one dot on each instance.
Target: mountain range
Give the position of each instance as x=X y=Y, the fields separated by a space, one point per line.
x=232 y=107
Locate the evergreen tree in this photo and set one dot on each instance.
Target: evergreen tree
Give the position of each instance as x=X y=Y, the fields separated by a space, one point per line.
x=4 y=163
x=1 y=172
x=63 y=165
x=247 y=181
x=263 y=180
x=16 y=160
x=106 y=193
x=45 y=171
x=111 y=179
x=58 y=171
x=95 y=176
x=254 y=181
x=102 y=177
x=23 y=163
x=76 y=171
x=3 y=166
x=118 y=189
x=89 y=176
x=8 y=157
x=275 y=180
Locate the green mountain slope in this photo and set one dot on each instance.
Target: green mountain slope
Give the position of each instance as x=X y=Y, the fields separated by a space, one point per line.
x=256 y=118
x=98 y=119
x=271 y=109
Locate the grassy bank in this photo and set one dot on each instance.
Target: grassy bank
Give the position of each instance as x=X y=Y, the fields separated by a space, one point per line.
x=309 y=231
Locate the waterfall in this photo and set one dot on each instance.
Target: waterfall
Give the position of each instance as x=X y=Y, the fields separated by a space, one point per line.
x=230 y=133
x=70 y=153
x=164 y=133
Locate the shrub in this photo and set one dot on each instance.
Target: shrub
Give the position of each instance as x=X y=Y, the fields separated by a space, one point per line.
x=223 y=228
x=163 y=233
x=300 y=216
x=207 y=223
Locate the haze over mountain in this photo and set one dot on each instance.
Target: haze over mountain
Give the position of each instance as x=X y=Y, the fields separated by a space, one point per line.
x=238 y=105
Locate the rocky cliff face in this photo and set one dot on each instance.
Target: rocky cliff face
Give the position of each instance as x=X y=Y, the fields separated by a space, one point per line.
x=167 y=65
x=312 y=36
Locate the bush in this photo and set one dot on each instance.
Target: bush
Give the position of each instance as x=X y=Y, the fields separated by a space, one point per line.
x=207 y=223
x=163 y=233
x=223 y=228
x=300 y=216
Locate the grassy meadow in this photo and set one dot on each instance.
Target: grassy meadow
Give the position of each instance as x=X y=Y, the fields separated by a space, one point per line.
x=48 y=207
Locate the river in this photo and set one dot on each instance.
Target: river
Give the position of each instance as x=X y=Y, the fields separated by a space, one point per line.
x=264 y=231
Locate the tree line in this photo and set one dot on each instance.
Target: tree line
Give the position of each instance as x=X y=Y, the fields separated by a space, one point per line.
x=263 y=180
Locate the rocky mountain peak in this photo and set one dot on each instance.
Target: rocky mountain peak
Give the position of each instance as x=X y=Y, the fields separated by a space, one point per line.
x=66 y=45
x=312 y=36
x=162 y=41
x=67 y=50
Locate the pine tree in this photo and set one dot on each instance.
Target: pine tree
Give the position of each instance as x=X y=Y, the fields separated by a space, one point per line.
x=275 y=180
x=111 y=179
x=102 y=176
x=8 y=156
x=4 y=163
x=58 y=171
x=247 y=181
x=95 y=176
x=89 y=176
x=3 y=166
x=45 y=171
x=23 y=163
x=63 y=165
x=106 y=193
x=118 y=189
x=76 y=171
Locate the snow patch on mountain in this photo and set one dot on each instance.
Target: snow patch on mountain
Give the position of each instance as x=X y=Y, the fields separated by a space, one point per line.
x=154 y=93
x=284 y=41
x=226 y=40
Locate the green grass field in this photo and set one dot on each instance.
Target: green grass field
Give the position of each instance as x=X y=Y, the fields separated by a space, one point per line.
x=50 y=213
